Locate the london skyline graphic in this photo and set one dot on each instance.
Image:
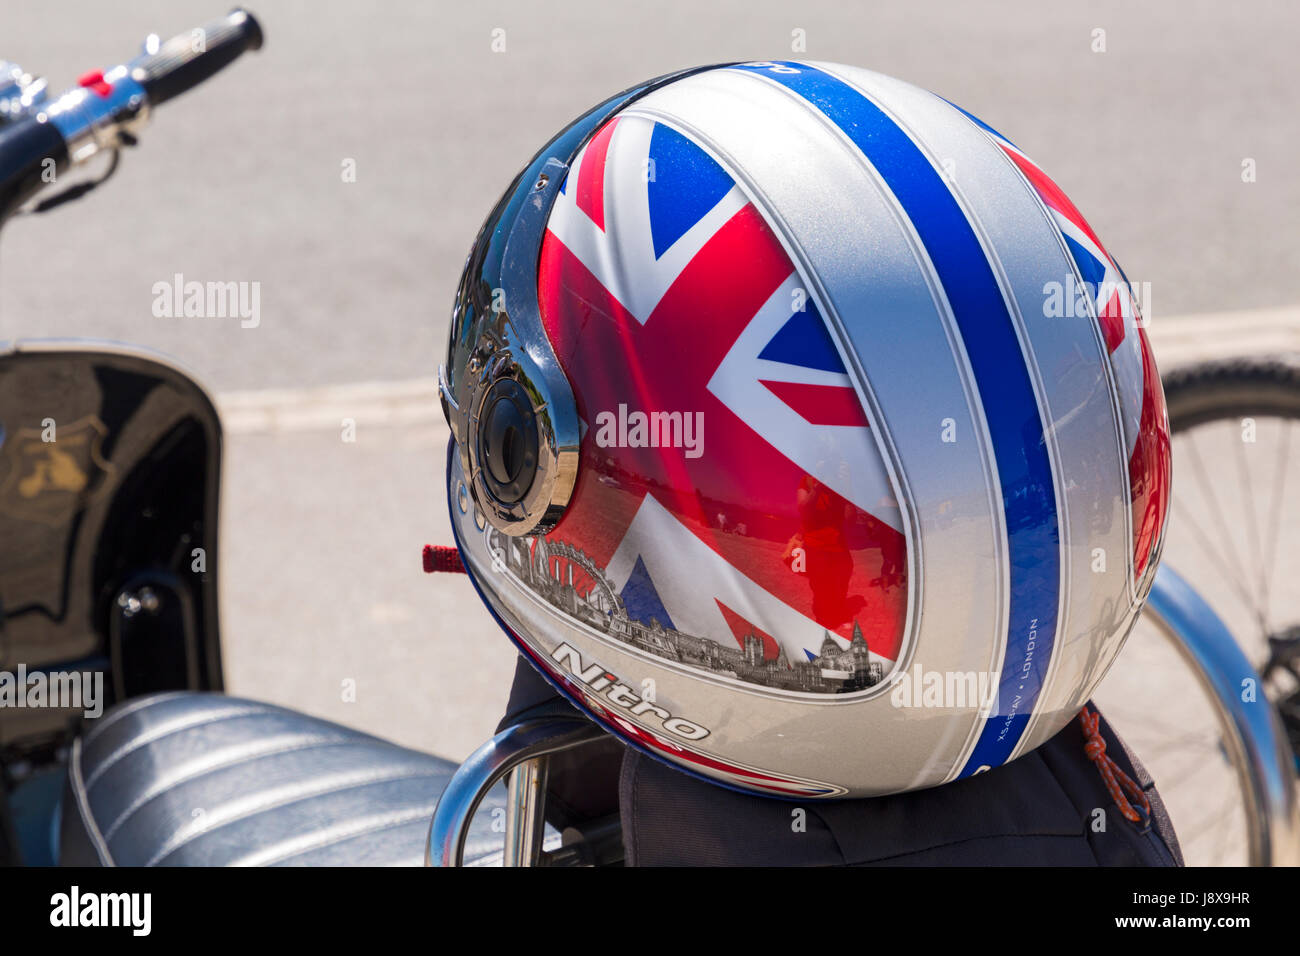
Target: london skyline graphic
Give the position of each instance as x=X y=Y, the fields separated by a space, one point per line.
x=546 y=568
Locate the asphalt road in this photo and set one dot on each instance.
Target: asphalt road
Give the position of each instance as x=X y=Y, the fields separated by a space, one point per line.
x=242 y=181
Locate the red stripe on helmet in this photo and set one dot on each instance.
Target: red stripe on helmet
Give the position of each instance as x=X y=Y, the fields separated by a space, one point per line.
x=590 y=195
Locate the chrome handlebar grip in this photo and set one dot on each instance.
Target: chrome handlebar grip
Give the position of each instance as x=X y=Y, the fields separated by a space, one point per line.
x=107 y=109
x=1252 y=731
x=98 y=117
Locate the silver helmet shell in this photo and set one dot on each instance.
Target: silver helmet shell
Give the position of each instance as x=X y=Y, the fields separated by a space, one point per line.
x=805 y=435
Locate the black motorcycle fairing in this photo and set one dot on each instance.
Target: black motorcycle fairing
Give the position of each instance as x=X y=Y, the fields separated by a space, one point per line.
x=109 y=467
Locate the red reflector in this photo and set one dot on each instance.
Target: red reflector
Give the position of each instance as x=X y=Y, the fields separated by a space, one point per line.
x=438 y=557
x=94 y=80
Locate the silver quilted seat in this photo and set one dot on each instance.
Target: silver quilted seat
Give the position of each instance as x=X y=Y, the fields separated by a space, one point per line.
x=191 y=779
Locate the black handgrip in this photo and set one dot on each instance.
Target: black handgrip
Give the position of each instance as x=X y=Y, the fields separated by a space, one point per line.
x=183 y=62
x=25 y=145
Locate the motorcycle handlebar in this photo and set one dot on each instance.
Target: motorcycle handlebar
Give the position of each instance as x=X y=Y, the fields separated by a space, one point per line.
x=185 y=61
x=105 y=109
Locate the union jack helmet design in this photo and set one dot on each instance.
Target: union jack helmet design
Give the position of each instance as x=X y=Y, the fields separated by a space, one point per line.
x=773 y=448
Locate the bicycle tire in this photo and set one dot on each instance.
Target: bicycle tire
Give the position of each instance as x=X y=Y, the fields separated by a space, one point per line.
x=1224 y=389
x=1219 y=392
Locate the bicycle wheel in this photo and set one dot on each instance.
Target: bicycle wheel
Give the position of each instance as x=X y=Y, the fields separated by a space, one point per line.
x=1233 y=533
x=1235 y=509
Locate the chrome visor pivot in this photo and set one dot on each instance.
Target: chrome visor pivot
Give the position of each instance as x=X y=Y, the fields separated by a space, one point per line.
x=510 y=407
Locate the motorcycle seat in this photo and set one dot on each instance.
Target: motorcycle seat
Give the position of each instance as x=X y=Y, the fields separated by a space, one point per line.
x=199 y=779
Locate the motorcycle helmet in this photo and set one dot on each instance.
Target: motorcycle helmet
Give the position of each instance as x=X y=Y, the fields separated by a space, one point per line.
x=804 y=435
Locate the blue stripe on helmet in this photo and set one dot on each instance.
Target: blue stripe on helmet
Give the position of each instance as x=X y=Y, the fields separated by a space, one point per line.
x=979 y=122
x=1002 y=379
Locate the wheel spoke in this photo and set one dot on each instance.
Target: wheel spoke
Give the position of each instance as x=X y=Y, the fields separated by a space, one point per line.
x=1252 y=532
x=1234 y=561
x=1187 y=520
x=1225 y=811
x=1275 y=503
x=1207 y=404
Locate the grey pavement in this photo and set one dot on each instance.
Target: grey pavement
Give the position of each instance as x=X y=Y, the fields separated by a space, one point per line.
x=241 y=180
x=322 y=585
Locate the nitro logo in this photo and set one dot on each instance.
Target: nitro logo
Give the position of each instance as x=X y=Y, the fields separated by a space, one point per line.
x=636 y=429
x=609 y=688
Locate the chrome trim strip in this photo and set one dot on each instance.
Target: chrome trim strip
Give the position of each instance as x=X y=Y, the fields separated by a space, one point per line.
x=90 y=122
x=497 y=332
